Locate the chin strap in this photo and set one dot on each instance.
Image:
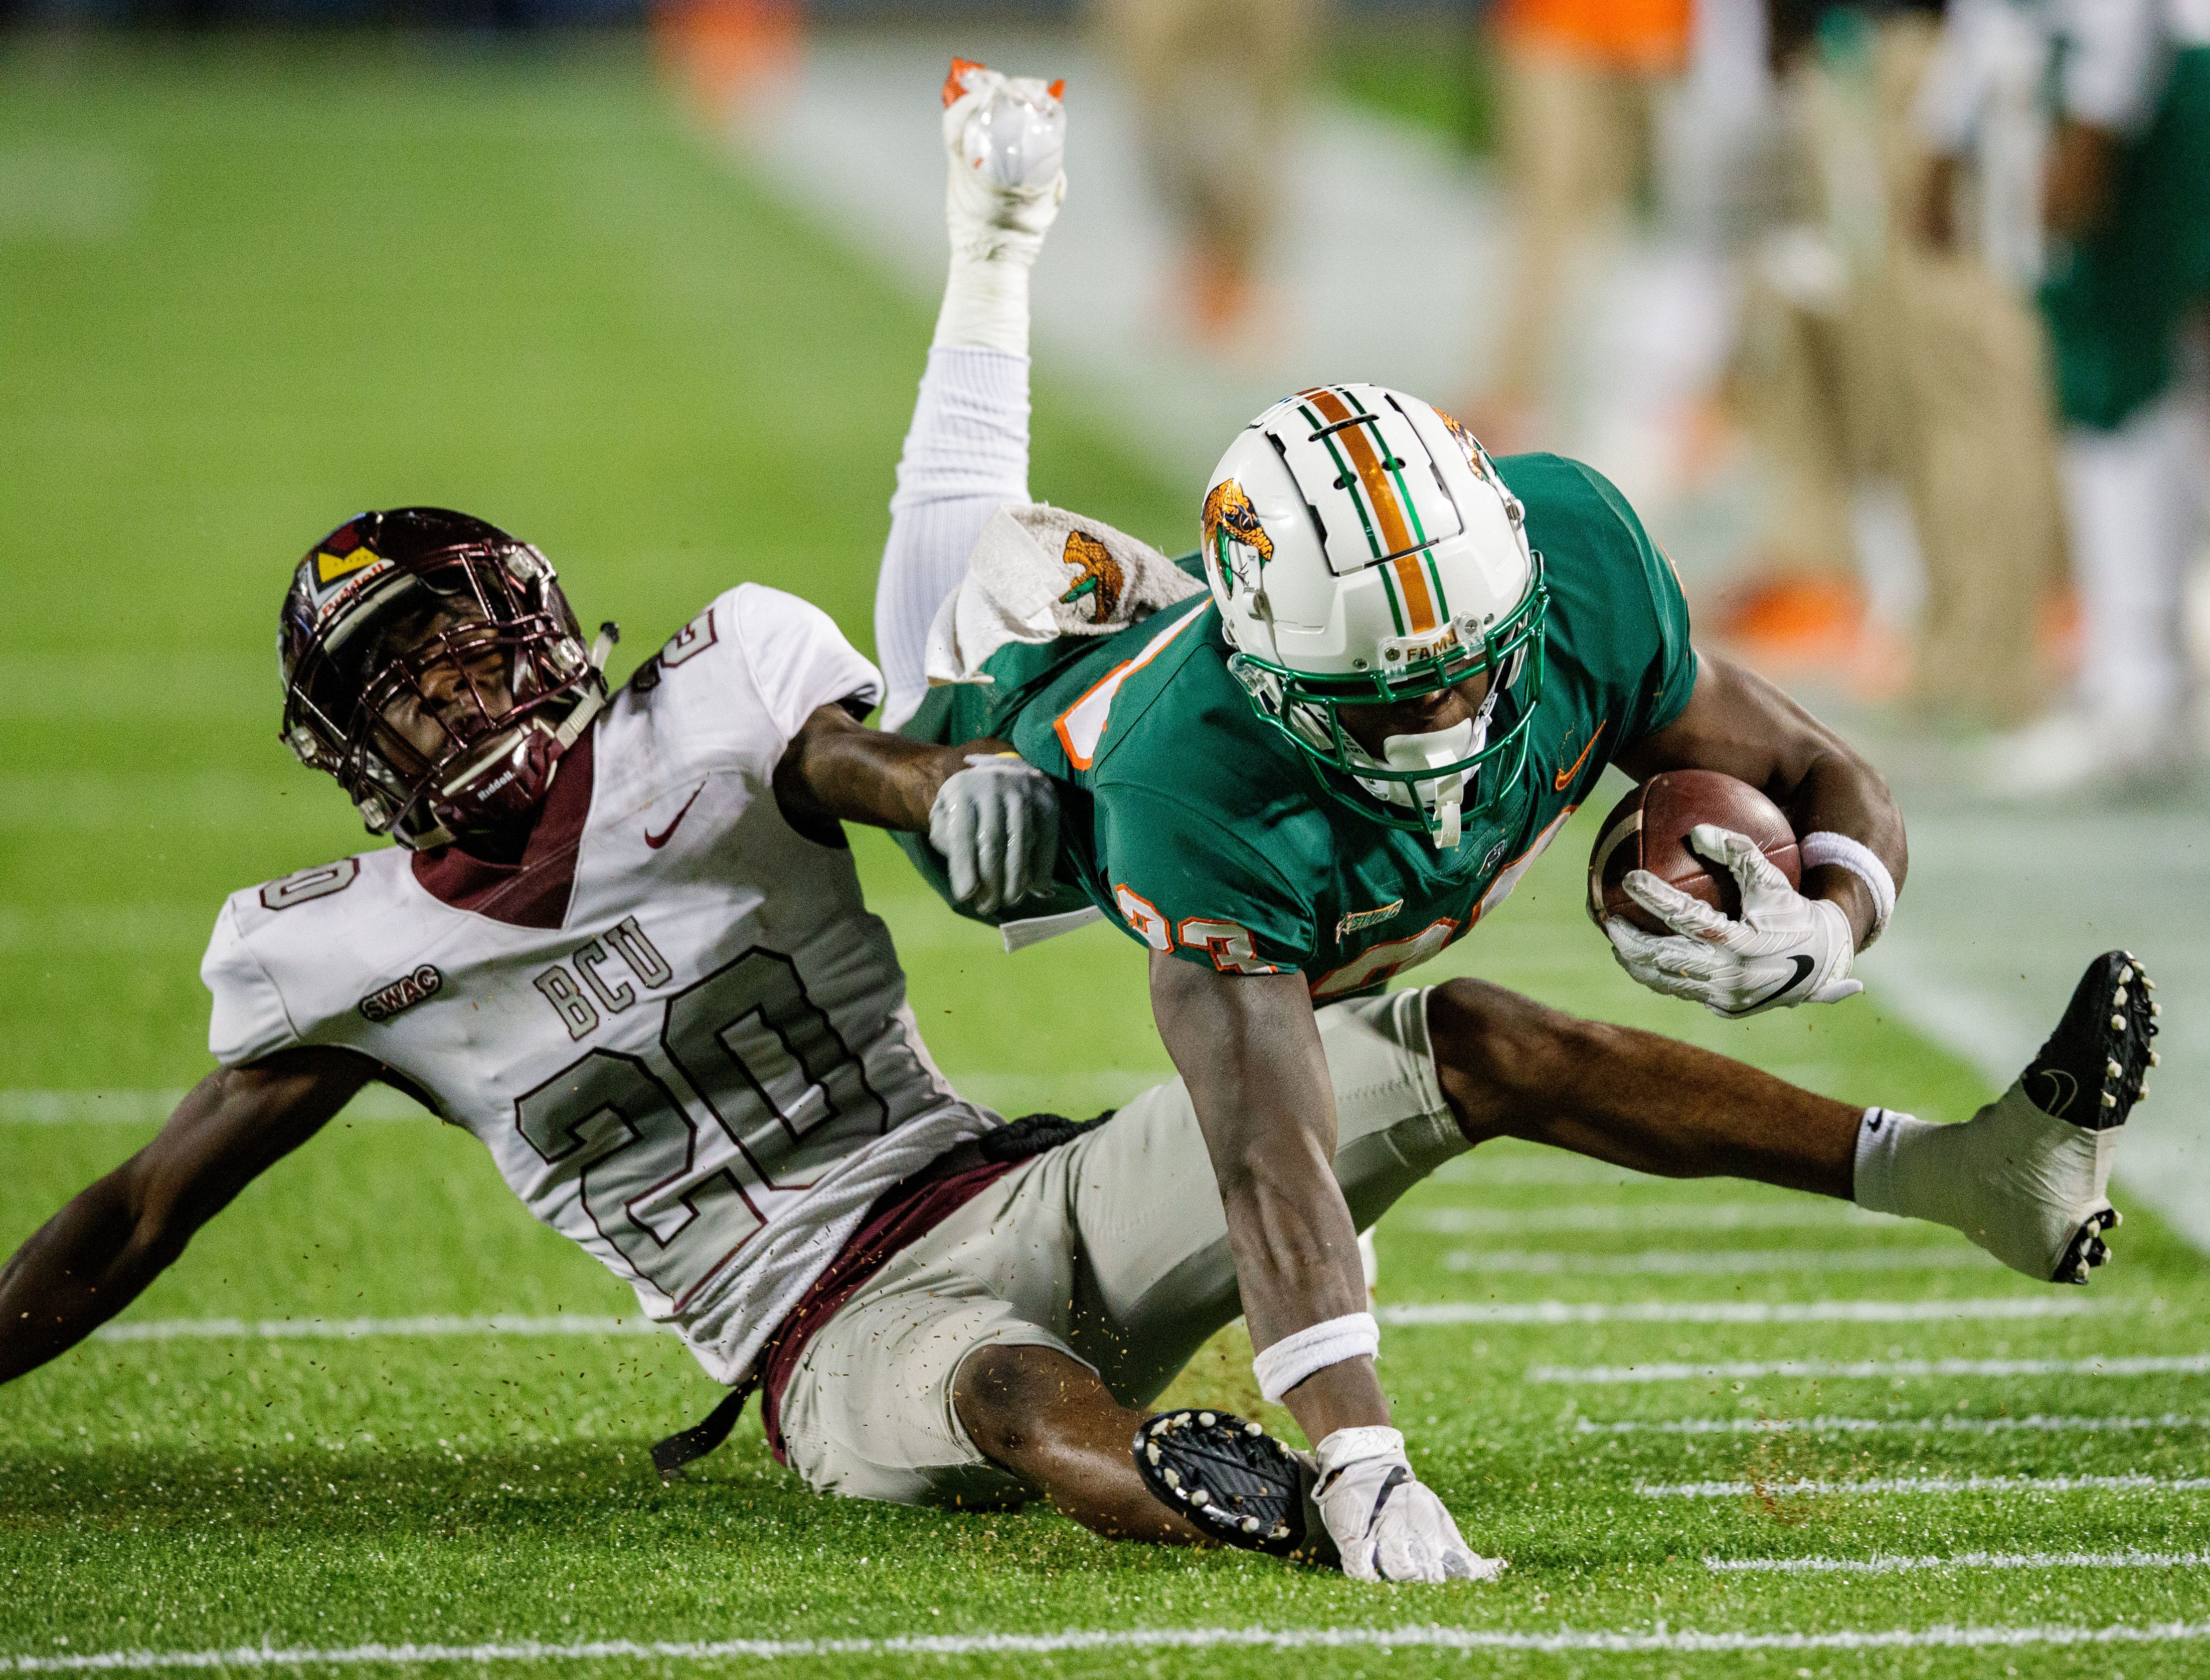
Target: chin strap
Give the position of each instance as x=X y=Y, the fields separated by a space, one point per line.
x=602 y=647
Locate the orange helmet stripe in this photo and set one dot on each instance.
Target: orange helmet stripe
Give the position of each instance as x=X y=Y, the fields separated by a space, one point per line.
x=1381 y=493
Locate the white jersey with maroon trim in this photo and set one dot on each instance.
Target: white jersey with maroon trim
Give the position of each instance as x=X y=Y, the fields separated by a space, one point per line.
x=675 y=1024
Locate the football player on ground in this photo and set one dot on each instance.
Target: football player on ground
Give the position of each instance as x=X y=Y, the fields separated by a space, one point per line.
x=1322 y=755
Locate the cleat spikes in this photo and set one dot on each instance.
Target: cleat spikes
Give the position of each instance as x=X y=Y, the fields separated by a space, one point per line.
x=2154 y=1059
x=2119 y=996
x=2118 y=1024
x=2109 y=1099
x=1236 y=1485
x=2111 y=1070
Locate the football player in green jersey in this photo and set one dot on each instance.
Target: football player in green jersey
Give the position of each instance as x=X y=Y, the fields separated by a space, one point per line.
x=1319 y=752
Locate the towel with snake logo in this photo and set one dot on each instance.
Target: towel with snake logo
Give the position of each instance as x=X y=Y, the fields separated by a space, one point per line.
x=1100 y=576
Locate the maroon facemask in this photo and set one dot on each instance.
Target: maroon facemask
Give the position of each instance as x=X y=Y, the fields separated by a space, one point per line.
x=433 y=667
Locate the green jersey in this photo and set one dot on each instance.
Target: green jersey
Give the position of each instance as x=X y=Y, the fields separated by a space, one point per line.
x=1202 y=831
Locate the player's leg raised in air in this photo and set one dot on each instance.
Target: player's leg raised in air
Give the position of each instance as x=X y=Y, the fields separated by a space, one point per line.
x=967 y=451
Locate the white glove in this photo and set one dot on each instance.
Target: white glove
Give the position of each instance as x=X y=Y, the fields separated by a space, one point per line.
x=996 y=824
x=1006 y=137
x=1387 y=1524
x=1787 y=949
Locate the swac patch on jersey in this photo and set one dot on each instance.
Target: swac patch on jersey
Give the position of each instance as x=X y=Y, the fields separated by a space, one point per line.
x=426 y=982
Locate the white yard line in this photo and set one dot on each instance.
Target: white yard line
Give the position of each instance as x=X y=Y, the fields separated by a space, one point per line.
x=151 y=1106
x=1732 y=1312
x=2185 y=1365
x=1440 y=1313
x=2131 y=1484
x=2037 y=1423
x=358 y=1329
x=1673 y=1216
x=1659 y=1639
x=1963 y=1560
x=1719 y=1262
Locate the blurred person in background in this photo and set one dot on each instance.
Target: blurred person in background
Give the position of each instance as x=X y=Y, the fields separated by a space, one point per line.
x=1895 y=378
x=2127 y=210
x=1580 y=81
x=1216 y=85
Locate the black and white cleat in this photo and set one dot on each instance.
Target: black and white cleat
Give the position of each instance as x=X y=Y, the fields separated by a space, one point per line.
x=2092 y=1071
x=1234 y=1482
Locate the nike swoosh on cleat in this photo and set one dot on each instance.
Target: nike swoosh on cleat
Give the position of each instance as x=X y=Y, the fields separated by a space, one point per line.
x=656 y=840
x=2064 y=1088
x=1802 y=968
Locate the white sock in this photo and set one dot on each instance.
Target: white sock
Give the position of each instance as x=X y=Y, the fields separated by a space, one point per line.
x=966 y=454
x=2012 y=1179
x=1881 y=1137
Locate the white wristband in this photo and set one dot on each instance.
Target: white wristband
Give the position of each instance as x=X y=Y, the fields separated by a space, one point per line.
x=1295 y=1357
x=1820 y=849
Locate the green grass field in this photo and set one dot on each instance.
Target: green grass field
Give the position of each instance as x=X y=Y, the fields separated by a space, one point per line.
x=248 y=292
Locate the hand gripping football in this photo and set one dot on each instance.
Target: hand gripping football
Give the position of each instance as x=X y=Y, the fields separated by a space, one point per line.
x=1649 y=829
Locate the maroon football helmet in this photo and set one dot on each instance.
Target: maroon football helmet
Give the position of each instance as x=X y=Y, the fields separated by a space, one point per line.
x=433 y=667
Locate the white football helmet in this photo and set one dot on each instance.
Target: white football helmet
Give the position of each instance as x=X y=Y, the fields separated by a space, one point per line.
x=1362 y=549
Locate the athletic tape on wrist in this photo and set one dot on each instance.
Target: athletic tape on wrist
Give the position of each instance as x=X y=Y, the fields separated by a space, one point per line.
x=1860 y=860
x=1295 y=1357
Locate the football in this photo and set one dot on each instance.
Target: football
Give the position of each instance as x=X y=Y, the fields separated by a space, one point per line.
x=1649 y=829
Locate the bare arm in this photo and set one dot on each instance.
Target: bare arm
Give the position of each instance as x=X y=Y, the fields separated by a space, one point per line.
x=838 y=769
x=1737 y=722
x=1249 y=1050
x=91 y=1260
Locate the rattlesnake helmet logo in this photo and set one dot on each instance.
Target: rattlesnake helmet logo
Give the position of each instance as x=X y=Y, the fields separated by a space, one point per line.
x=1099 y=576
x=1227 y=507
x=1475 y=457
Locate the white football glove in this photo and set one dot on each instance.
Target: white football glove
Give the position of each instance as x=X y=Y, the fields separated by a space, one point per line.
x=1787 y=949
x=1006 y=137
x=996 y=824
x=1387 y=1525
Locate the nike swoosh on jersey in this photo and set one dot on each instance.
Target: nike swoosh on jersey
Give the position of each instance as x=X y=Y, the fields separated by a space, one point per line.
x=1559 y=782
x=1802 y=968
x=656 y=840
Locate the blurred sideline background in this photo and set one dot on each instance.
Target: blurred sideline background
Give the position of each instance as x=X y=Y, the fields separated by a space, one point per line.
x=1883 y=327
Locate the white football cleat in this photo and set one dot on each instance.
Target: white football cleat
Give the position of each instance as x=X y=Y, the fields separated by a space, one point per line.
x=1005 y=138
x=2027 y=1177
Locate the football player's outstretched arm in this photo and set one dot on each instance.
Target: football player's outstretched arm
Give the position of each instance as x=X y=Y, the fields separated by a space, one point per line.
x=1248 y=1049
x=91 y=1258
x=995 y=819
